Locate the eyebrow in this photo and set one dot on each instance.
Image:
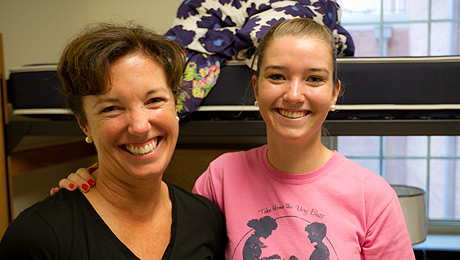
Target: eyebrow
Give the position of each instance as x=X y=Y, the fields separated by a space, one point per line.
x=320 y=69
x=276 y=67
x=110 y=99
x=105 y=100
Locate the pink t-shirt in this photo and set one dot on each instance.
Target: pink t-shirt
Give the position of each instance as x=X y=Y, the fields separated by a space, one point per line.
x=339 y=211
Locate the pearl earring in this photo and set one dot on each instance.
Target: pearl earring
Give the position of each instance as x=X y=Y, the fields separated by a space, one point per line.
x=88 y=140
x=333 y=107
x=256 y=103
x=177 y=118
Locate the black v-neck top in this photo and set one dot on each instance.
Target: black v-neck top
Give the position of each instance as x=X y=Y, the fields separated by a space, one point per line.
x=66 y=226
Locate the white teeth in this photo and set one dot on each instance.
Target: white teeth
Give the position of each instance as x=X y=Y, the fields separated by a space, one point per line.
x=142 y=150
x=291 y=114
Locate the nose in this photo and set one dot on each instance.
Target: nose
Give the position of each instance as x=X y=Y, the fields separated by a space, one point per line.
x=139 y=123
x=295 y=91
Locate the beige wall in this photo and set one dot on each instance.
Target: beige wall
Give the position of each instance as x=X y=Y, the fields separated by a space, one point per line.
x=37 y=31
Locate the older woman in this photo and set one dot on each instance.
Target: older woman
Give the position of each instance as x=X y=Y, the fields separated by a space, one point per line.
x=121 y=83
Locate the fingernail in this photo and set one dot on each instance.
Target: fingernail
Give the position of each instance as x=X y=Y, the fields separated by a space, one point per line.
x=71 y=185
x=91 y=182
x=91 y=169
x=85 y=187
x=55 y=190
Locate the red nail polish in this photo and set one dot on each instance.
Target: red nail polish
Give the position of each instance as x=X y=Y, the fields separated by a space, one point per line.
x=71 y=185
x=85 y=187
x=91 y=182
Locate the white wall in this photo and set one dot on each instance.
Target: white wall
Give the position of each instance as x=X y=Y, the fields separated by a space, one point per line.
x=37 y=31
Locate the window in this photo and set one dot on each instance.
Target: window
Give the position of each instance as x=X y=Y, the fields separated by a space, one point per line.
x=403 y=27
x=429 y=162
x=408 y=28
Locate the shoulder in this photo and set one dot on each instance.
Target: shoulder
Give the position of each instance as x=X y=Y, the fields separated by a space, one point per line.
x=230 y=166
x=192 y=203
x=195 y=214
x=347 y=164
x=239 y=157
x=34 y=231
x=196 y=217
x=353 y=169
x=227 y=165
x=360 y=177
x=377 y=191
x=51 y=209
x=57 y=206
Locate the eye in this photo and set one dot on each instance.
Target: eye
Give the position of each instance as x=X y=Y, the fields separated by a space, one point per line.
x=276 y=77
x=155 y=100
x=315 y=79
x=108 y=109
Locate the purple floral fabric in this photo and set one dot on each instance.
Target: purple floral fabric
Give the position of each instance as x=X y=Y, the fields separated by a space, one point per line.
x=214 y=31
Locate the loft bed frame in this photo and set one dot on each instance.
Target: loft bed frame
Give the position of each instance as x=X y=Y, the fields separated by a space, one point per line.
x=383 y=96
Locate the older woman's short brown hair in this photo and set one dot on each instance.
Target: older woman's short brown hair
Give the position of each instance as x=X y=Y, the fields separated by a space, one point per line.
x=84 y=66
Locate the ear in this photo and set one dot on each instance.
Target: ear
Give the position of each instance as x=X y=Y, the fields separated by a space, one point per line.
x=83 y=126
x=335 y=93
x=254 y=86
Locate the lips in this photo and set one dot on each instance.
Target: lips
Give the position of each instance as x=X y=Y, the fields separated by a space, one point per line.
x=292 y=114
x=144 y=149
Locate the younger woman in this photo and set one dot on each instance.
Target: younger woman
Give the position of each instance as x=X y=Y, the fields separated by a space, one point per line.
x=295 y=179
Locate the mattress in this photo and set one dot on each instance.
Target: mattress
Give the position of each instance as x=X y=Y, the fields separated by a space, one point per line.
x=373 y=88
x=402 y=87
x=32 y=90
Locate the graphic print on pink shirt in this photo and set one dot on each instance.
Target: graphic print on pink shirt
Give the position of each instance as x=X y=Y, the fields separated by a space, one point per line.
x=255 y=244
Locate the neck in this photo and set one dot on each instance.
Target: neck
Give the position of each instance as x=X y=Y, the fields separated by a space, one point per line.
x=137 y=211
x=140 y=198
x=297 y=157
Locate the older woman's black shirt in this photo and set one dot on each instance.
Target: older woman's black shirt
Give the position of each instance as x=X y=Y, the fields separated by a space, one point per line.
x=66 y=226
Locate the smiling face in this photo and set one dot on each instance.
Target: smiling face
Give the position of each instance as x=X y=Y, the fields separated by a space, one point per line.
x=134 y=125
x=295 y=87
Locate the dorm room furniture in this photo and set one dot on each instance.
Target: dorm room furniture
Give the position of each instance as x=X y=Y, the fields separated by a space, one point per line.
x=383 y=96
x=5 y=181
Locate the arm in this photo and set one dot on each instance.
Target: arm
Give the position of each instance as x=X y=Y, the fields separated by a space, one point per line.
x=209 y=184
x=81 y=178
x=203 y=185
x=387 y=236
